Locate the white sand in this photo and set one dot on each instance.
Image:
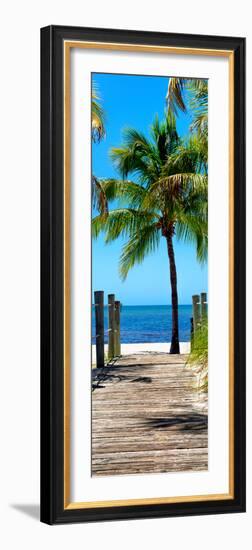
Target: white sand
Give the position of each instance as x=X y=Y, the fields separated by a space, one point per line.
x=162 y=347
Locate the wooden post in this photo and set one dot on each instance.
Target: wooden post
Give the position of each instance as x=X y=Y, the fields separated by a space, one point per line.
x=203 y=298
x=99 y=327
x=191 y=327
x=196 y=311
x=111 y=334
x=117 y=329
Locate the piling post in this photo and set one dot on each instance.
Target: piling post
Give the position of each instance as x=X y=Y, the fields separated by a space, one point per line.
x=99 y=327
x=191 y=331
x=196 y=311
x=117 y=328
x=111 y=333
x=203 y=299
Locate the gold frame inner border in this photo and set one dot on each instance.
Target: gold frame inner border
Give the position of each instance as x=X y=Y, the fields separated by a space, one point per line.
x=68 y=45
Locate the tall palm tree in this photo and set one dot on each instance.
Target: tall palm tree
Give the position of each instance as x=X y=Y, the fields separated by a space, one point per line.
x=168 y=197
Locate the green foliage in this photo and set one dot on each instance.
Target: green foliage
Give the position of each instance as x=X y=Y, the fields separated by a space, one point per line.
x=197 y=90
x=142 y=242
x=97 y=115
x=199 y=353
x=99 y=197
x=198 y=103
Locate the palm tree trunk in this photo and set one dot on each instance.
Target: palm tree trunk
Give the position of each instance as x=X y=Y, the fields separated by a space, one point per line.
x=174 y=294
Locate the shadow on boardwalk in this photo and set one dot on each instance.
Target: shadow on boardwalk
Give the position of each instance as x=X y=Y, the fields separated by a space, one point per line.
x=148 y=417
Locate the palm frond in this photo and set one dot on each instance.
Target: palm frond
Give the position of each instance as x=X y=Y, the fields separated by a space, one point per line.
x=175 y=185
x=198 y=104
x=134 y=139
x=142 y=243
x=97 y=116
x=191 y=155
x=165 y=137
x=127 y=221
x=141 y=156
x=125 y=191
x=200 y=122
x=121 y=222
x=105 y=191
x=98 y=225
x=99 y=198
x=198 y=100
x=194 y=228
x=133 y=161
x=174 y=97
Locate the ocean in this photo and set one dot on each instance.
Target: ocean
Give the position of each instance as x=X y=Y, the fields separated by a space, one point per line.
x=141 y=324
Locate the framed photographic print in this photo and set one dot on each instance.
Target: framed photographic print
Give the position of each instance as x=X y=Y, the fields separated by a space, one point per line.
x=142 y=274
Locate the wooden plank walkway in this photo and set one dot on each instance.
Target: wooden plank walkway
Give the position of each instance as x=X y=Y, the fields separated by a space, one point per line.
x=146 y=417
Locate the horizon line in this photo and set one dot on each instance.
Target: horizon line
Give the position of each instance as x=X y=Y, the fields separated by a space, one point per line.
x=147 y=305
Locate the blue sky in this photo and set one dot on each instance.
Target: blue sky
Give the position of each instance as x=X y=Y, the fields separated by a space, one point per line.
x=133 y=101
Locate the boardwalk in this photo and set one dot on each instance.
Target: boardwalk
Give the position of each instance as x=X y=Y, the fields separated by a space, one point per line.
x=147 y=418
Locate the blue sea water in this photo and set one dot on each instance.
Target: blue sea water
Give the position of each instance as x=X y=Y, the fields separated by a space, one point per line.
x=141 y=324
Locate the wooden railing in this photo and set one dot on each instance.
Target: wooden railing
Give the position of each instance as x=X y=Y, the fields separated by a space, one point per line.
x=114 y=341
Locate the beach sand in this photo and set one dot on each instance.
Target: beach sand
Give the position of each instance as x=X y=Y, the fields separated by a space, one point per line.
x=158 y=347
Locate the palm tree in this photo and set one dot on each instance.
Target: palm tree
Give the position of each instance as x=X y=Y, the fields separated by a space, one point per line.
x=97 y=116
x=168 y=198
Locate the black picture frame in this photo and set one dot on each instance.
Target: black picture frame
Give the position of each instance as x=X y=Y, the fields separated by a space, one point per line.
x=52 y=302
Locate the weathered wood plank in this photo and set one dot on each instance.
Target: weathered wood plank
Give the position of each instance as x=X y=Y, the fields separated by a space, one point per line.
x=148 y=417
